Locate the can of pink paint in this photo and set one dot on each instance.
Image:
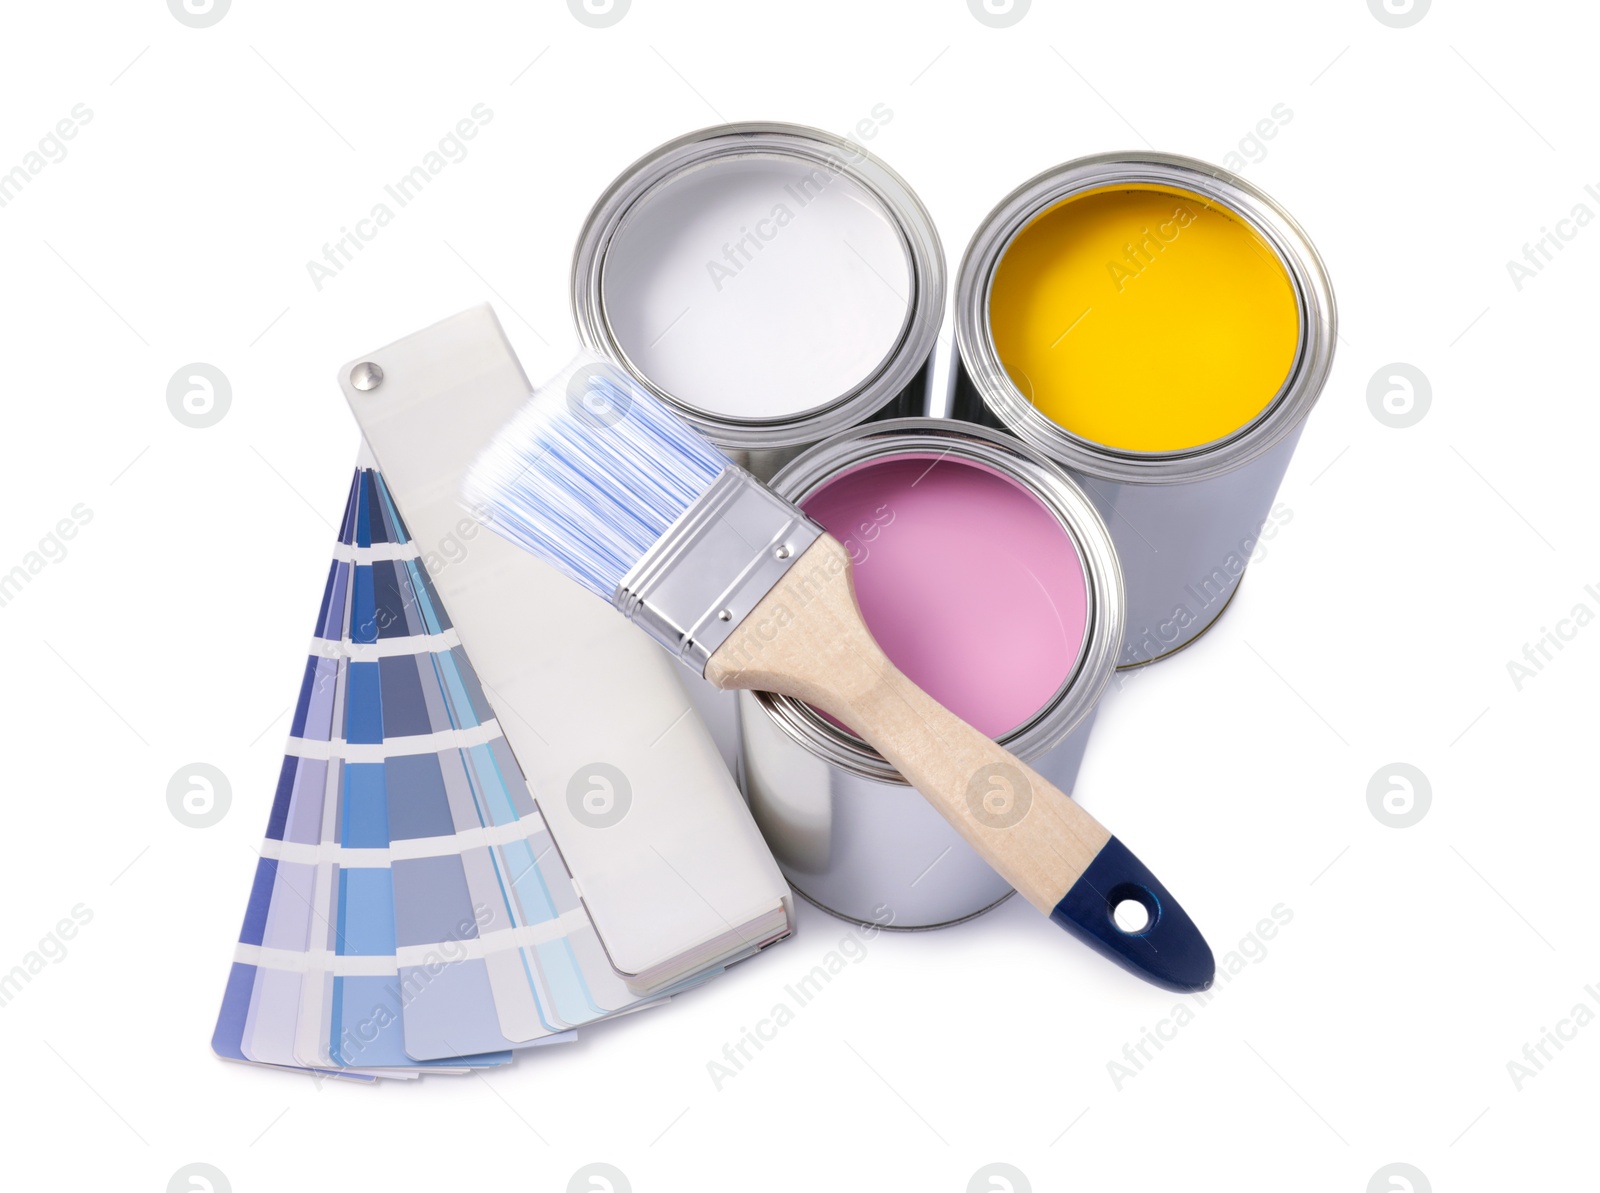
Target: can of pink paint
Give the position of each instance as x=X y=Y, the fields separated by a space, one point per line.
x=773 y=284
x=988 y=577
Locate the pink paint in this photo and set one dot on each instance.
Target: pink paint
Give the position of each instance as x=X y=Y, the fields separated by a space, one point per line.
x=968 y=582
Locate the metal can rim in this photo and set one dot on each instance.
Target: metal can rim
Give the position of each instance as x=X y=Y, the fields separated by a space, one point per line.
x=912 y=223
x=1293 y=402
x=1044 y=479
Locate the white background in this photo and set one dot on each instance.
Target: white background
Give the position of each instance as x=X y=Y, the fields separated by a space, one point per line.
x=1377 y=629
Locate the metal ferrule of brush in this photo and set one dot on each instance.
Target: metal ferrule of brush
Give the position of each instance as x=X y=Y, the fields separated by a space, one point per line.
x=713 y=566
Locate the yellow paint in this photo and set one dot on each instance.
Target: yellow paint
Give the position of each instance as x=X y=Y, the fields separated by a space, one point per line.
x=1144 y=318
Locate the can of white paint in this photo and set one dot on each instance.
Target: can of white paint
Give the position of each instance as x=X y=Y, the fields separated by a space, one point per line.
x=773 y=284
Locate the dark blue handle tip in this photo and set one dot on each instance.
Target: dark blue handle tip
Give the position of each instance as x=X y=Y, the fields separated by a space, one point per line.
x=1168 y=951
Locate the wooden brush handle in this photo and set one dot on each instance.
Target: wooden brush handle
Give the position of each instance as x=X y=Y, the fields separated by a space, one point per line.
x=807 y=639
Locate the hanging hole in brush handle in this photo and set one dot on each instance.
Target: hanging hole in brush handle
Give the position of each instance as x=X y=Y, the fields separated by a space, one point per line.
x=1166 y=948
x=1133 y=910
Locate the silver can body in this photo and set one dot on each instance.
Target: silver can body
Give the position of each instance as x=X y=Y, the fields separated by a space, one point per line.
x=1185 y=522
x=896 y=386
x=848 y=832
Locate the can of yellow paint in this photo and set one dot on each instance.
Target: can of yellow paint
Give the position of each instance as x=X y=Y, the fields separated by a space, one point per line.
x=1160 y=328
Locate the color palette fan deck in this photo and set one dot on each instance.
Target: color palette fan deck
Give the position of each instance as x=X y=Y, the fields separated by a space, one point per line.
x=410 y=910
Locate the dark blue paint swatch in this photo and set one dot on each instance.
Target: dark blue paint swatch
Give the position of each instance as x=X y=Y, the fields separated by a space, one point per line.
x=376 y=532
x=405 y=711
x=363 y=606
x=255 y=911
x=391 y=588
x=279 y=816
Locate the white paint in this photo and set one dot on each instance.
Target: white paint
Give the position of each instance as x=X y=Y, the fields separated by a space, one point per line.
x=758 y=286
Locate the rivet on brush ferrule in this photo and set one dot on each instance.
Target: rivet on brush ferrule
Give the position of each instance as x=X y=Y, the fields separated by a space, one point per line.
x=698 y=583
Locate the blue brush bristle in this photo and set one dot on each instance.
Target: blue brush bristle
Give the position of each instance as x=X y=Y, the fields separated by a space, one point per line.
x=590 y=474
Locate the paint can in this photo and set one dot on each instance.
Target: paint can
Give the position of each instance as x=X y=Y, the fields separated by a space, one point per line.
x=988 y=577
x=773 y=284
x=1160 y=328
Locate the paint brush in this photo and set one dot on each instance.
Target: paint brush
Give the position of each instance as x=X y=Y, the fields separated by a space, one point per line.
x=600 y=480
